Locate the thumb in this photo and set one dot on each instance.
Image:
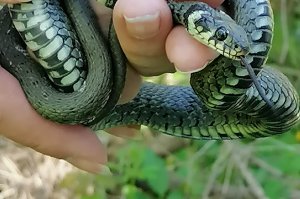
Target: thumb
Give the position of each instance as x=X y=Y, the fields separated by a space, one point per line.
x=142 y=30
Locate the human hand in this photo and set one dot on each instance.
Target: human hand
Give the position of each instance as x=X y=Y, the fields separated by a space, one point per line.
x=152 y=45
x=21 y=123
x=148 y=42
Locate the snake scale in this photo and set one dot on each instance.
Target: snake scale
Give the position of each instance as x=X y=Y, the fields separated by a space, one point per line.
x=83 y=73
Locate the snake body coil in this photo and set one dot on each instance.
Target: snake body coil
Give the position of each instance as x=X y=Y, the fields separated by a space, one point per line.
x=101 y=88
x=227 y=104
x=49 y=35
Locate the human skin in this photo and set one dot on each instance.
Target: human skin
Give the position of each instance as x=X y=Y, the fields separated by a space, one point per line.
x=152 y=45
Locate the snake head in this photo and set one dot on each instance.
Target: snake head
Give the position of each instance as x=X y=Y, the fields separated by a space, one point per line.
x=219 y=32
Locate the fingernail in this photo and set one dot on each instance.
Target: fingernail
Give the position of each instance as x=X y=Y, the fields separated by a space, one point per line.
x=89 y=166
x=192 y=69
x=104 y=170
x=131 y=132
x=143 y=27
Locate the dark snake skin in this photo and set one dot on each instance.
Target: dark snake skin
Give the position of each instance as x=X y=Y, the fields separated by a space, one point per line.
x=221 y=104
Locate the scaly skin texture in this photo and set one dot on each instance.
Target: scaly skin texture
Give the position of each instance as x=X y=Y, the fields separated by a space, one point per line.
x=86 y=105
x=178 y=111
x=226 y=105
x=229 y=106
x=53 y=42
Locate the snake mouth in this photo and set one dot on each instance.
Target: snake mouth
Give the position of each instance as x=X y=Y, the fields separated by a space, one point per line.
x=245 y=51
x=233 y=52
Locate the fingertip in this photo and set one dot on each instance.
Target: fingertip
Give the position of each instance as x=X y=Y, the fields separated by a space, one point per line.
x=143 y=27
x=82 y=143
x=66 y=142
x=142 y=30
x=186 y=53
x=90 y=166
x=141 y=21
x=128 y=132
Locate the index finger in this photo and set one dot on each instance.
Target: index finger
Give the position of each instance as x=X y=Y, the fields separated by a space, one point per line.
x=196 y=55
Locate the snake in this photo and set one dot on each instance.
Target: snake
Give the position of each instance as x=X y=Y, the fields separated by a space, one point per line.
x=78 y=72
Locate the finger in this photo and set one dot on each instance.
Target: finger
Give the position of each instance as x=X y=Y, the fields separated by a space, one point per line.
x=131 y=88
x=133 y=80
x=196 y=55
x=103 y=14
x=132 y=85
x=131 y=131
x=142 y=30
x=19 y=122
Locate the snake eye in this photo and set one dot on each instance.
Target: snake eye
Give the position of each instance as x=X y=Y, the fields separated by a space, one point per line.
x=221 y=33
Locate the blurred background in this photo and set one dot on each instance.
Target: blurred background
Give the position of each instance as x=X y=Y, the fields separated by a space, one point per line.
x=160 y=166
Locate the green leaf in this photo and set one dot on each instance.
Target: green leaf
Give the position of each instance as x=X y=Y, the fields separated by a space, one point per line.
x=154 y=171
x=130 y=160
x=175 y=195
x=274 y=189
x=94 y=197
x=131 y=192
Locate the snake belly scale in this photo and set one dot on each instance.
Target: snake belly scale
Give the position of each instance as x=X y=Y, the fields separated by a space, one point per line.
x=222 y=103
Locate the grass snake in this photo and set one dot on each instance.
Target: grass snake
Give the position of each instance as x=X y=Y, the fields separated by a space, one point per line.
x=82 y=73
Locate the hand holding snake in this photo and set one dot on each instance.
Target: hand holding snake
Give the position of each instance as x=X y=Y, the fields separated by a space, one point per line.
x=83 y=146
x=227 y=83
x=231 y=101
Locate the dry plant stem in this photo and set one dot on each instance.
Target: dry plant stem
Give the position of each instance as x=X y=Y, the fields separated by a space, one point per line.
x=217 y=168
x=275 y=145
x=285 y=32
x=164 y=145
x=292 y=73
x=267 y=167
x=26 y=174
x=274 y=172
x=234 y=192
x=255 y=187
x=228 y=175
x=190 y=164
x=202 y=151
